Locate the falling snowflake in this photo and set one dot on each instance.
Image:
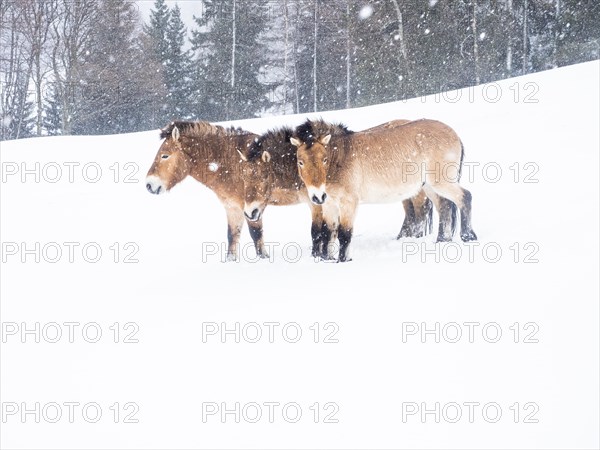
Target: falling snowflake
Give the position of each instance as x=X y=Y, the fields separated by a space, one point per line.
x=365 y=12
x=482 y=36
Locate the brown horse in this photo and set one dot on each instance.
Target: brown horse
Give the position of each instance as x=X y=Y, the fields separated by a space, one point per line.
x=341 y=168
x=207 y=153
x=271 y=176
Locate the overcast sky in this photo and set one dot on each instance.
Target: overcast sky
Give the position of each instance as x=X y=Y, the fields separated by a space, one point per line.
x=189 y=8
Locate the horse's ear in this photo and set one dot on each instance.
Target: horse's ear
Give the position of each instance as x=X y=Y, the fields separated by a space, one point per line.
x=266 y=156
x=175 y=134
x=242 y=156
x=296 y=142
x=325 y=140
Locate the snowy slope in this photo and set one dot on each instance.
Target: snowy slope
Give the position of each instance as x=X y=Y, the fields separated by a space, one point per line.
x=540 y=213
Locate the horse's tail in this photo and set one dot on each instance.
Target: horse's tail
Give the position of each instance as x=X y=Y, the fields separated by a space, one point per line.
x=462 y=157
x=454 y=216
x=428 y=217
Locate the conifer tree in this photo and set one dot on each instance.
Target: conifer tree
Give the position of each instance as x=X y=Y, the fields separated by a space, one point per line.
x=177 y=68
x=52 y=122
x=231 y=59
x=118 y=80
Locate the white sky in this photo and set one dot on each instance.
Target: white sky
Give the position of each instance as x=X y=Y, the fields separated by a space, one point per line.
x=189 y=8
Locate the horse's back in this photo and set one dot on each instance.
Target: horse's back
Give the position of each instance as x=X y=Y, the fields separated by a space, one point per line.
x=417 y=140
x=412 y=128
x=387 y=164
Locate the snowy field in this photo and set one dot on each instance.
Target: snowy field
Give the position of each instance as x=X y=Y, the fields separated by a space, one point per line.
x=86 y=250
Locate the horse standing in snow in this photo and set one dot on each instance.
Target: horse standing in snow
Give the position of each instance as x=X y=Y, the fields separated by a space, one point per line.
x=341 y=168
x=209 y=154
x=271 y=176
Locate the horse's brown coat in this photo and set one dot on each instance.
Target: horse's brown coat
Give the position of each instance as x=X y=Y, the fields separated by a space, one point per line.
x=209 y=154
x=382 y=165
x=271 y=176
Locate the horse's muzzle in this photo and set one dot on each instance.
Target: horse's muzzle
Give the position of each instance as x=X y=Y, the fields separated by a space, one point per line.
x=253 y=216
x=154 y=185
x=319 y=201
x=152 y=191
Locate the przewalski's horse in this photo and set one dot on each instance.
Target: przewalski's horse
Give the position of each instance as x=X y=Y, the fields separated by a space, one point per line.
x=345 y=168
x=207 y=153
x=270 y=173
x=271 y=178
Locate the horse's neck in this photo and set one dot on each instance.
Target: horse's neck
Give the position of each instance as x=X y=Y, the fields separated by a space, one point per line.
x=215 y=161
x=285 y=170
x=339 y=157
x=215 y=149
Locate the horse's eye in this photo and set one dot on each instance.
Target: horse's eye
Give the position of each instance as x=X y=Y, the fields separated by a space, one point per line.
x=165 y=156
x=300 y=163
x=324 y=160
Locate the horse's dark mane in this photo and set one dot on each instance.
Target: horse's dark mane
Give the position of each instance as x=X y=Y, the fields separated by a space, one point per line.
x=283 y=164
x=276 y=141
x=199 y=128
x=312 y=130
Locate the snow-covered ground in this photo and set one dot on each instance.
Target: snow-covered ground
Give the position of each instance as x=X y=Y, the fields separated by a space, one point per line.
x=532 y=145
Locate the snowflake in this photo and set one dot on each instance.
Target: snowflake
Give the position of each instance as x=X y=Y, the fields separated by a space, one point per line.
x=365 y=12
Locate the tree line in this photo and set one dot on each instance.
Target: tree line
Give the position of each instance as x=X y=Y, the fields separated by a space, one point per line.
x=94 y=67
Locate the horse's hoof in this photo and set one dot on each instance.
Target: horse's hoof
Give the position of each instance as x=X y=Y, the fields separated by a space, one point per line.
x=231 y=257
x=344 y=257
x=328 y=258
x=263 y=255
x=468 y=237
x=324 y=256
x=443 y=239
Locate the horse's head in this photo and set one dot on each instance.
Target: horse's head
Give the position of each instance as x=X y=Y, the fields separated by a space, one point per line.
x=171 y=164
x=313 y=165
x=256 y=174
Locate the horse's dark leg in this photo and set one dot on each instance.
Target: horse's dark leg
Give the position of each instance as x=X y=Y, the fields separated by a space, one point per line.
x=447 y=225
x=418 y=215
x=347 y=214
x=453 y=192
x=408 y=225
x=235 y=221
x=423 y=214
x=466 y=230
x=427 y=215
x=316 y=230
x=256 y=232
x=447 y=214
x=423 y=208
x=344 y=236
x=322 y=232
